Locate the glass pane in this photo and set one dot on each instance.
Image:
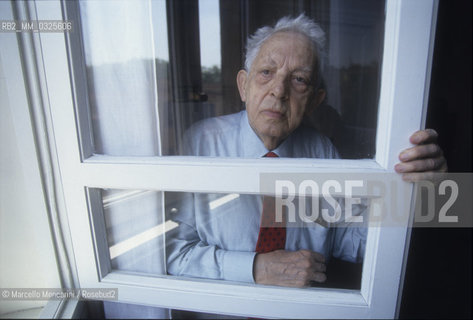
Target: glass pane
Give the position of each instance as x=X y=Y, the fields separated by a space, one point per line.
x=135 y=230
x=216 y=236
x=150 y=84
x=124 y=74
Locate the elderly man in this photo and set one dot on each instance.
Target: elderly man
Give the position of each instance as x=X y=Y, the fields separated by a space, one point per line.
x=280 y=85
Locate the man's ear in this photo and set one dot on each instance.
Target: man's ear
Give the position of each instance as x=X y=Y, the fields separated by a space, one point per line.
x=319 y=97
x=242 y=77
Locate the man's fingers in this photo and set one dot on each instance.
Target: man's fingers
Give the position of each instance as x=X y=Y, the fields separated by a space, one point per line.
x=420 y=152
x=320 y=267
x=289 y=268
x=309 y=268
x=318 y=257
x=425 y=156
x=319 y=277
x=424 y=136
x=311 y=264
x=417 y=176
x=306 y=279
x=315 y=256
x=432 y=176
x=420 y=165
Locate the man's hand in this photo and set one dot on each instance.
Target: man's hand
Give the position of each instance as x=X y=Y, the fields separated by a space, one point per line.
x=419 y=162
x=289 y=268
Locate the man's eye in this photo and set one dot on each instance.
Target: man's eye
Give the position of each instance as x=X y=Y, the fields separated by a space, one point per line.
x=265 y=72
x=300 y=81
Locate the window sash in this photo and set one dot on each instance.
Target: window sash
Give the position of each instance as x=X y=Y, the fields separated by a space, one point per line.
x=404 y=88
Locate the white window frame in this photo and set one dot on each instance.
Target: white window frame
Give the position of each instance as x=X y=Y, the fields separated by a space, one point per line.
x=403 y=97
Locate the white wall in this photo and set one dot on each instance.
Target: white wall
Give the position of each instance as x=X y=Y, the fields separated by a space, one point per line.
x=27 y=257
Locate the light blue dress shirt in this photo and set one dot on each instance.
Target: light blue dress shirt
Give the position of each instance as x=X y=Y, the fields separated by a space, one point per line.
x=216 y=239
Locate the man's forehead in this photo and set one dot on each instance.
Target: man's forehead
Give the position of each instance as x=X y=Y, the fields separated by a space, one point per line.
x=287 y=44
x=271 y=59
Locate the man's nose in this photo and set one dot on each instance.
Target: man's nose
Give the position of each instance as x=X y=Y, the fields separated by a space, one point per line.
x=279 y=88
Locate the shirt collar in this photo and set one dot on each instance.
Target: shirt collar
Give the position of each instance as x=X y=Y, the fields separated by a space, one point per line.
x=251 y=145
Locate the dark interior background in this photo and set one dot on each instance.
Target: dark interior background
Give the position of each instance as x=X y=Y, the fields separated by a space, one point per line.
x=438 y=282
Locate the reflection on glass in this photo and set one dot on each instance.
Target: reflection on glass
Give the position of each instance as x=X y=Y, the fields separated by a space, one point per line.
x=215 y=236
x=210 y=54
x=135 y=230
x=125 y=73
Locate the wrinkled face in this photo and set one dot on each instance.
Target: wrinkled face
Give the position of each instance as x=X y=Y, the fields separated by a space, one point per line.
x=279 y=89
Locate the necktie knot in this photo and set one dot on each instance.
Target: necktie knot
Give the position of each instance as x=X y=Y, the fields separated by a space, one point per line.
x=271 y=154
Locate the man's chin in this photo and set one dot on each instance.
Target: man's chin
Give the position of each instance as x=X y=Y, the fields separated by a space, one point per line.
x=276 y=137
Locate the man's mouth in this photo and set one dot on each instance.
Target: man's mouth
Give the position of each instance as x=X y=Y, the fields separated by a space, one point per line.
x=273 y=114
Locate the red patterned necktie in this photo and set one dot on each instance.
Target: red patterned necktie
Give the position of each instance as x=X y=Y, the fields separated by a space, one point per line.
x=272 y=234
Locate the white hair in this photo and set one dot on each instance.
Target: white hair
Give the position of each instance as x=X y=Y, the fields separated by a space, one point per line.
x=301 y=24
